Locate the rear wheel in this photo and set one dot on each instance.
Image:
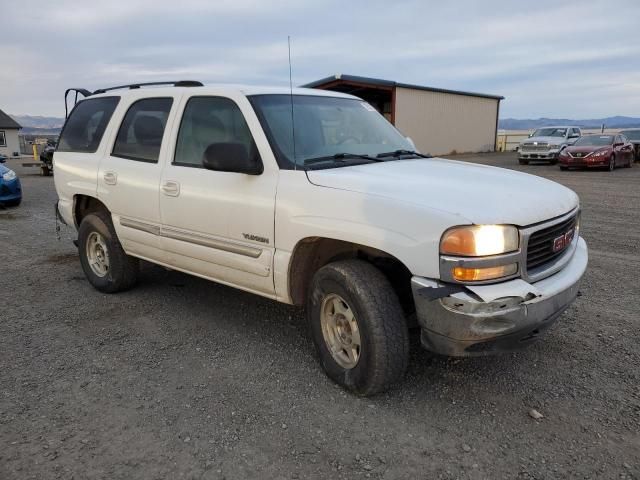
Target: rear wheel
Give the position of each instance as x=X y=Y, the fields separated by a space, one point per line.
x=612 y=163
x=629 y=162
x=358 y=326
x=563 y=167
x=107 y=267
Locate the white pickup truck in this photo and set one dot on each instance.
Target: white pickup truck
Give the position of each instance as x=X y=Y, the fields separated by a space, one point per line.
x=312 y=198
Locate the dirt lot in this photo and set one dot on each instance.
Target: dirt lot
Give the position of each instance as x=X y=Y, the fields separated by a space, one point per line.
x=183 y=378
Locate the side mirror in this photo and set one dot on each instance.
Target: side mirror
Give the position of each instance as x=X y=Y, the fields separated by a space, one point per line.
x=231 y=157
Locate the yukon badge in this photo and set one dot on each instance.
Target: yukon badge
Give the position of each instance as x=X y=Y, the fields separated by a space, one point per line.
x=255 y=238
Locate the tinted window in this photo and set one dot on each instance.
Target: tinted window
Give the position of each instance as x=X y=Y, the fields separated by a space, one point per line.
x=85 y=126
x=623 y=139
x=574 y=131
x=209 y=120
x=140 y=134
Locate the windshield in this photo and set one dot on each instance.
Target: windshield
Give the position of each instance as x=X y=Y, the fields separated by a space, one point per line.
x=550 y=132
x=324 y=127
x=631 y=134
x=594 y=141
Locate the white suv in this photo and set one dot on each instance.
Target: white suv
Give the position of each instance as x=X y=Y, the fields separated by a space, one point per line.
x=312 y=198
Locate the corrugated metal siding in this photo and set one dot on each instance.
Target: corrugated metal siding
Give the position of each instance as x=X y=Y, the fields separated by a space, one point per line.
x=440 y=123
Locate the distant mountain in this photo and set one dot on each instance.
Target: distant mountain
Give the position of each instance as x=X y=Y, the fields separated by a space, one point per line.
x=34 y=125
x=609 y=122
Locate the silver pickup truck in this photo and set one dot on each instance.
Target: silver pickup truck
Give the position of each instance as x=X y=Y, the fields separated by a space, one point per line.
x=546 y=143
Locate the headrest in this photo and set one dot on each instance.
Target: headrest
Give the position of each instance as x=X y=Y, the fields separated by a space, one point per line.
x=148 y=129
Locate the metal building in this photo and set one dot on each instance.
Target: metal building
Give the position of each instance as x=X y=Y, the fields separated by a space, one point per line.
x=439 y=121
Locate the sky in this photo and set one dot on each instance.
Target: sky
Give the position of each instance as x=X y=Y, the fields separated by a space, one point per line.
x=561 y=59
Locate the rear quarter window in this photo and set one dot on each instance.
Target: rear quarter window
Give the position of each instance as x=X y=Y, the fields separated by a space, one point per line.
x=85 y=126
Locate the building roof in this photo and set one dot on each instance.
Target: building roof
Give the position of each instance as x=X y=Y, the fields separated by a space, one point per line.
x=390 y=84
x=7 y=122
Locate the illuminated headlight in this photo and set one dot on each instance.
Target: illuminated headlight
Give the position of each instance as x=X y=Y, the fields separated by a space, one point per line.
x=10 y=175
x=601 y=153
x=479 y=240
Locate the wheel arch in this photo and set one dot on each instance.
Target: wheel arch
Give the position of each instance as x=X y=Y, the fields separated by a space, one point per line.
x=83 y=205
x=312 y=253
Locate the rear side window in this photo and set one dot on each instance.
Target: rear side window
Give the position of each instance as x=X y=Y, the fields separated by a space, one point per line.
x=85 y=126
x=141 y=131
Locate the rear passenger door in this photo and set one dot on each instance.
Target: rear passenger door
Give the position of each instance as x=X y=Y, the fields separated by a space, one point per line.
x=129 y=175
x=219 y=224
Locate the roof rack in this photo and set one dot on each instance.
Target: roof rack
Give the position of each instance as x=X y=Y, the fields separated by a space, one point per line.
x=179 y=83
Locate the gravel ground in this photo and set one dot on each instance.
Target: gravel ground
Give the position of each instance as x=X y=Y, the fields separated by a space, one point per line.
x=183 y=378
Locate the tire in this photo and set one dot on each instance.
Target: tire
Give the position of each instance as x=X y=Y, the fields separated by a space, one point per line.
x=12 y=203
x=523 y=162
x=629 y=162
x=121 y=271
x=46 y=171
x=612 y=163
x=553 y=161
x=564 y=168
x=383 y=351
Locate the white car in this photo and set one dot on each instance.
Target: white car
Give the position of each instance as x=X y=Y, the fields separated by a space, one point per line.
x=337 y=214
x=546 y=143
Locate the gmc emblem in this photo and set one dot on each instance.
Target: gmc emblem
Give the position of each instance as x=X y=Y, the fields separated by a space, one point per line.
x=563 y=241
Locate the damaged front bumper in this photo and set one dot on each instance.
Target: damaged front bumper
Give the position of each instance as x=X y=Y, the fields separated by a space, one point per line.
x=477 y=320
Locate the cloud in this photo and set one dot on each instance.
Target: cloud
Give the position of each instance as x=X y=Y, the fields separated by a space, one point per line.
x=548 y=58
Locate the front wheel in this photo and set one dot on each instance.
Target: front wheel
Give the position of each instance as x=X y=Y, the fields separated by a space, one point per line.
x=612 y=163
x=107 y=267
x=358 y=326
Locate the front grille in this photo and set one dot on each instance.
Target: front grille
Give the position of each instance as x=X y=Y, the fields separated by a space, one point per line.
x=540 y=246
x=578 y=155
x=534 y=148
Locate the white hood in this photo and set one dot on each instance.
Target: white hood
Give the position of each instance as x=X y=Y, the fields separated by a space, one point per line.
x=478 y=193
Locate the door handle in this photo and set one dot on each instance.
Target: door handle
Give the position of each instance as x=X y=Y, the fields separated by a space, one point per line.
x=171 y=188
x=110 y=178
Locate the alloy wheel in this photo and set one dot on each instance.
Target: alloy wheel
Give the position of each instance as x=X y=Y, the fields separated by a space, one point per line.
x=97 y=254
x=340 y=331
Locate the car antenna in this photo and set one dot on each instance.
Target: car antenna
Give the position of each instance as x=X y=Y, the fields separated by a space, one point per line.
x=293 y=128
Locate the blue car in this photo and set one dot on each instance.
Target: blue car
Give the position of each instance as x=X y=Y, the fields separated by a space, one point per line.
x=10 y=188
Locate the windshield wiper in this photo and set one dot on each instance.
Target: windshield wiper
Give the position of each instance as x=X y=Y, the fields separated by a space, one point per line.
x=341 y=157
x=399 y=153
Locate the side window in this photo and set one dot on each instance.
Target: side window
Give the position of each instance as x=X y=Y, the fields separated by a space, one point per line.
x=209 y=120
x=142 y=128
x=3 y=139
x=85 y=126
